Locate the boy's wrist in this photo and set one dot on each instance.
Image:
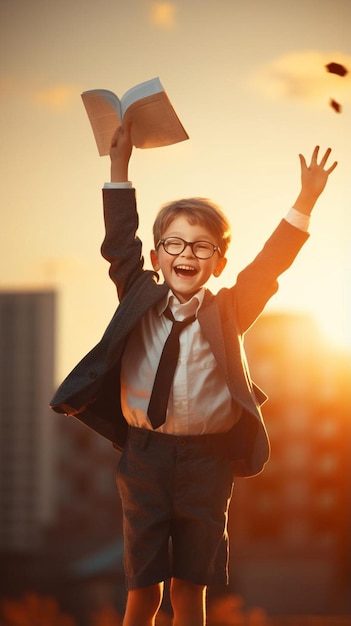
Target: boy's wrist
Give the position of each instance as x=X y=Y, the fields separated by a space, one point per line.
x=305 y=202
x=119 y=172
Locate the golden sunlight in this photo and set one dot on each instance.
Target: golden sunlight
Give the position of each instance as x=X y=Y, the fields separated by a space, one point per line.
x=335 y=328
x=163 y=14
x=56 y=97
x=303 y=75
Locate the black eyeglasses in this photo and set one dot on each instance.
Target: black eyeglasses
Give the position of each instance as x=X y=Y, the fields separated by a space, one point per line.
x=200 y=249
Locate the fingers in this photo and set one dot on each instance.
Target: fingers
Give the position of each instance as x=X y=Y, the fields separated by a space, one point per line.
x=323 y=161
x=325 y=157
x=121 y=143
x=332 y=168
x=114 y=139
x=315 y=155
x=302 y=161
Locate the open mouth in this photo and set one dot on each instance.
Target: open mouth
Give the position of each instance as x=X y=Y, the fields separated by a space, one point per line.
x=185 y=270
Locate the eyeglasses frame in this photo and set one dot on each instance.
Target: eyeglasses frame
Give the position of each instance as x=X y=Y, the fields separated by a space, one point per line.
x=186 y=244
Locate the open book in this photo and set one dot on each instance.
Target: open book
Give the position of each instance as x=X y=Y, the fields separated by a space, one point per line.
x=154 y=120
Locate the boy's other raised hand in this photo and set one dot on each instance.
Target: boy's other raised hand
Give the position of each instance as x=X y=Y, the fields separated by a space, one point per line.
x=314 y=178
x=120 y=153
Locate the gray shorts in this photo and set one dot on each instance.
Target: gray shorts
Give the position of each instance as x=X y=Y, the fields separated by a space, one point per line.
x=175 y=494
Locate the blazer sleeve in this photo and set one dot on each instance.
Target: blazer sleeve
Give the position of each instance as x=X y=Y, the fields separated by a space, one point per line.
x=121 y=247
x=258 y=282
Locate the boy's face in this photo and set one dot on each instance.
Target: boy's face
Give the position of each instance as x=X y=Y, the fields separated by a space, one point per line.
x=184 y=273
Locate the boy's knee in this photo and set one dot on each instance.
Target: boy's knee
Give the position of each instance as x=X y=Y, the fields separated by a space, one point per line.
x=182 y=591
x=188 y=603
x=145 y=600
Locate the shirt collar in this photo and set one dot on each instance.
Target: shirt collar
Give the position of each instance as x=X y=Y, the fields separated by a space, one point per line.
x=179 y=310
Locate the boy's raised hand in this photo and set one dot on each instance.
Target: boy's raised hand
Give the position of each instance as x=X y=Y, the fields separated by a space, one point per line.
x=120 y=153
x=314 y=178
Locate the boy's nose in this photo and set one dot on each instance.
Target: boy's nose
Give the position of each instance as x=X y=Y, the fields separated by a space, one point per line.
x=188 y=251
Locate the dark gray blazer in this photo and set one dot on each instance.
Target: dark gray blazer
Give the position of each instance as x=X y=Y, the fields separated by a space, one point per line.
x=91 y=392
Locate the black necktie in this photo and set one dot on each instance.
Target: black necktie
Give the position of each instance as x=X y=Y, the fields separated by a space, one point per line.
x=165 y=372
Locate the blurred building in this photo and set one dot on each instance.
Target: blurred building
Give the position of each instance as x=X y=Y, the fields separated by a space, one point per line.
x=291 y=525
x=88 y=513
x=59 y=507
x=86 y=540
x=27 y=506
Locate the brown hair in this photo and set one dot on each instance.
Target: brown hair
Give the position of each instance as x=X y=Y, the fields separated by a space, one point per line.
x=197 y=211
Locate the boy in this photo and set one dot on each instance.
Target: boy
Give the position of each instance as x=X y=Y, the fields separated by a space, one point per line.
x=181 y=447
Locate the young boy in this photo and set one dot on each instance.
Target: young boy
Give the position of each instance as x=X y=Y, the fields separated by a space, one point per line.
x=181 y=447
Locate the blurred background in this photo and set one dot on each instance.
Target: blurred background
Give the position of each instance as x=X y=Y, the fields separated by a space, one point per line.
x=249 y=83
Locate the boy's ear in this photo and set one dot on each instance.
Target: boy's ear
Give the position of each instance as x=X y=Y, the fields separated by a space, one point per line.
x=222 y=262
x=154 y=260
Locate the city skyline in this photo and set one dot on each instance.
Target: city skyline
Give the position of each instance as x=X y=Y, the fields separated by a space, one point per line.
x=60 y=516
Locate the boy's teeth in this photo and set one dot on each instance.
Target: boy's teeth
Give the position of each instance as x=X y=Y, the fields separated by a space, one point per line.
x=186 y=269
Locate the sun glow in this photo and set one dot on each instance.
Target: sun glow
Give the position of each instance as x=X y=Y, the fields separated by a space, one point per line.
x=335 y=328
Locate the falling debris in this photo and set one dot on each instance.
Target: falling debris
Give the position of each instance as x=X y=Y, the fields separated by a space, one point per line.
x=335 y=105
x=336 y=68
x=340 y=70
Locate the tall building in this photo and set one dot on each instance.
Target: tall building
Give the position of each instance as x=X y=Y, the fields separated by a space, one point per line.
x=27 y=329
x=59 y=507
x=290 y=526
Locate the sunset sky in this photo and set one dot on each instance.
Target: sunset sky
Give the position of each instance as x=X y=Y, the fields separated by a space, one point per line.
x=248 y=81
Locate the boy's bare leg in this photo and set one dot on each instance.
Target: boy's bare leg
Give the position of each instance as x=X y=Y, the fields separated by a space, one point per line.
x=188 y=603
x=142 y=605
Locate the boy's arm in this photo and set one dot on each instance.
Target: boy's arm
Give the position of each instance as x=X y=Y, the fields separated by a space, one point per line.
x=258 y=281
x=121 y=247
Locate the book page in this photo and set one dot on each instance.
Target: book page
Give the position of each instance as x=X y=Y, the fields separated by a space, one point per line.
x=147 y=88
x=102 y=107
x=155 y=122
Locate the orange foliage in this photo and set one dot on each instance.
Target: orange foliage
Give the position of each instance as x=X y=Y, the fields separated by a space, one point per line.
x=33 y=610
x=228 y=611
x=109 y=617
x=106 y=617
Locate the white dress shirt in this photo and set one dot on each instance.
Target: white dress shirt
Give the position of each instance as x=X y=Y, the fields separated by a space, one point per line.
x=199 y=400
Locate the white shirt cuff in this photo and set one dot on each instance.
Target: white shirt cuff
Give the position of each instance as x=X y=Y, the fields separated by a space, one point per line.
x=126 y=185
x=297 y=219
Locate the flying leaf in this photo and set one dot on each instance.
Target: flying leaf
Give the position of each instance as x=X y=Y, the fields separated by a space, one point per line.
x=335 y=105
x=336 y=68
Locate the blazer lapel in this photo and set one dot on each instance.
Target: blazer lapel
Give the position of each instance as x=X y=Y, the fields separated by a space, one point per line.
x=220 y=332
x=210 y=323
x=131 y=309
